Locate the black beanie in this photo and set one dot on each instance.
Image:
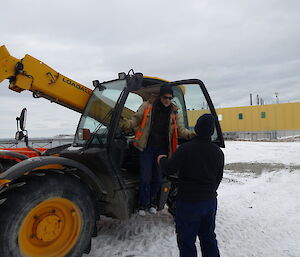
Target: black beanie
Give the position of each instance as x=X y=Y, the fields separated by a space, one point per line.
x=165 y=90
x=205 y=126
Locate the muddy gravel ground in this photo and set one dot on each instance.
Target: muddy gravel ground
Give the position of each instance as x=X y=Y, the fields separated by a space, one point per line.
x=257 y=168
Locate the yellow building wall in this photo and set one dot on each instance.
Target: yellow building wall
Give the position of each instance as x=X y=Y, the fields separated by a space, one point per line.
x=194 y=115
x=277 y=117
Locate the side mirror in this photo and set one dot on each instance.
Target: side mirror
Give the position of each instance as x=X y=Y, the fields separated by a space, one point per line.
x=23 y=119
x=19 y=135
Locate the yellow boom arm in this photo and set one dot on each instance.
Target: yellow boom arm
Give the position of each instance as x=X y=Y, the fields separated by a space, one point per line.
x=33 y=75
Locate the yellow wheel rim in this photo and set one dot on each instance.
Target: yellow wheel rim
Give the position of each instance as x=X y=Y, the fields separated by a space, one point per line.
x=51 y=229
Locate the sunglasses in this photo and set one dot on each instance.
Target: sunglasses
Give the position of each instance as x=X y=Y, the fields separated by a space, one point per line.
x=167 y=97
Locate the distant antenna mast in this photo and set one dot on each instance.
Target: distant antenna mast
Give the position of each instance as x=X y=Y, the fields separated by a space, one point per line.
x=277 y=98
x=261 y=101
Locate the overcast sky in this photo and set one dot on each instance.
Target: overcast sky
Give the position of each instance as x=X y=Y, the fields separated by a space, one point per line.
x=236 y=47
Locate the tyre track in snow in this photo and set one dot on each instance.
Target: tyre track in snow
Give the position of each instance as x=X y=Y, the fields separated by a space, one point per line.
x=152 y=235
x=258 y=216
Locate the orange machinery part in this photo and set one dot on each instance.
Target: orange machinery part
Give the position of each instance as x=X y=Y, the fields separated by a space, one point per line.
x=24 y=151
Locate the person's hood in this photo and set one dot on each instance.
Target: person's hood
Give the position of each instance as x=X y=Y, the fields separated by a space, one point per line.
x=205 y=126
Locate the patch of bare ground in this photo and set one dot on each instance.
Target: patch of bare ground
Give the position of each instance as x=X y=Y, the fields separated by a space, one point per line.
x=259 y=168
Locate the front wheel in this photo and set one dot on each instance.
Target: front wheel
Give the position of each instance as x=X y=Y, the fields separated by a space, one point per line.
x=50 y=216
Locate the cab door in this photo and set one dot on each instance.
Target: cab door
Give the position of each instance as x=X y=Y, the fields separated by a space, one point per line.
x=194 y=102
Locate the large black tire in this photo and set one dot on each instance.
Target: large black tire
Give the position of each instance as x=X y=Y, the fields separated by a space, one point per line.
x=23 y=200
x=5 y=164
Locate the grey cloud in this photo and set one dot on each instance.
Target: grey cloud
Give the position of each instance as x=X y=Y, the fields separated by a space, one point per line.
x=235 y=47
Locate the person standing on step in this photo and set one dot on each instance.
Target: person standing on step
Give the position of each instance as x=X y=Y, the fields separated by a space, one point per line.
x=157 y=125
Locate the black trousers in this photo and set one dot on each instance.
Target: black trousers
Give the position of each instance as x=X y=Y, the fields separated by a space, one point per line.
x=196 y=219
x=150 y=175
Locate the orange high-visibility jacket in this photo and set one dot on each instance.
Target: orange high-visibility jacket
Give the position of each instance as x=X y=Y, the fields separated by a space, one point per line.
x=176 y=129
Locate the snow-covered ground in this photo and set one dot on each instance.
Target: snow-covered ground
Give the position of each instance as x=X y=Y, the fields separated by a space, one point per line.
x=262 y=152
x=258 y=214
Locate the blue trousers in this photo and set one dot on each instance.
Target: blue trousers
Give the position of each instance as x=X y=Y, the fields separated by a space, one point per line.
x=150 y=176
x=196 y=219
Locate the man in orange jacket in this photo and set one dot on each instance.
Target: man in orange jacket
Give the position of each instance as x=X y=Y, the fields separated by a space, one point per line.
x=157 y=127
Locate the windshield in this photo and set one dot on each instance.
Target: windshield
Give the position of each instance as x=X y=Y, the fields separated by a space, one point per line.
x=94 y=122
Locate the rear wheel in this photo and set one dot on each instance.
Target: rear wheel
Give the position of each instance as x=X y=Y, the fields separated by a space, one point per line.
x=49 y=216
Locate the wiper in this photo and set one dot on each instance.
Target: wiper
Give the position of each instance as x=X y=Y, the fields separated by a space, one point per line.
x=105 y=120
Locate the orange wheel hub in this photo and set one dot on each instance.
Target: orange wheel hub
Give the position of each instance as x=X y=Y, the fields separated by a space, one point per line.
x=51 y=229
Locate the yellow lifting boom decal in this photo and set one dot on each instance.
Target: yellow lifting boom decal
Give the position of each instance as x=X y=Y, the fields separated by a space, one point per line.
x=33 y=75
x=7 y=64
